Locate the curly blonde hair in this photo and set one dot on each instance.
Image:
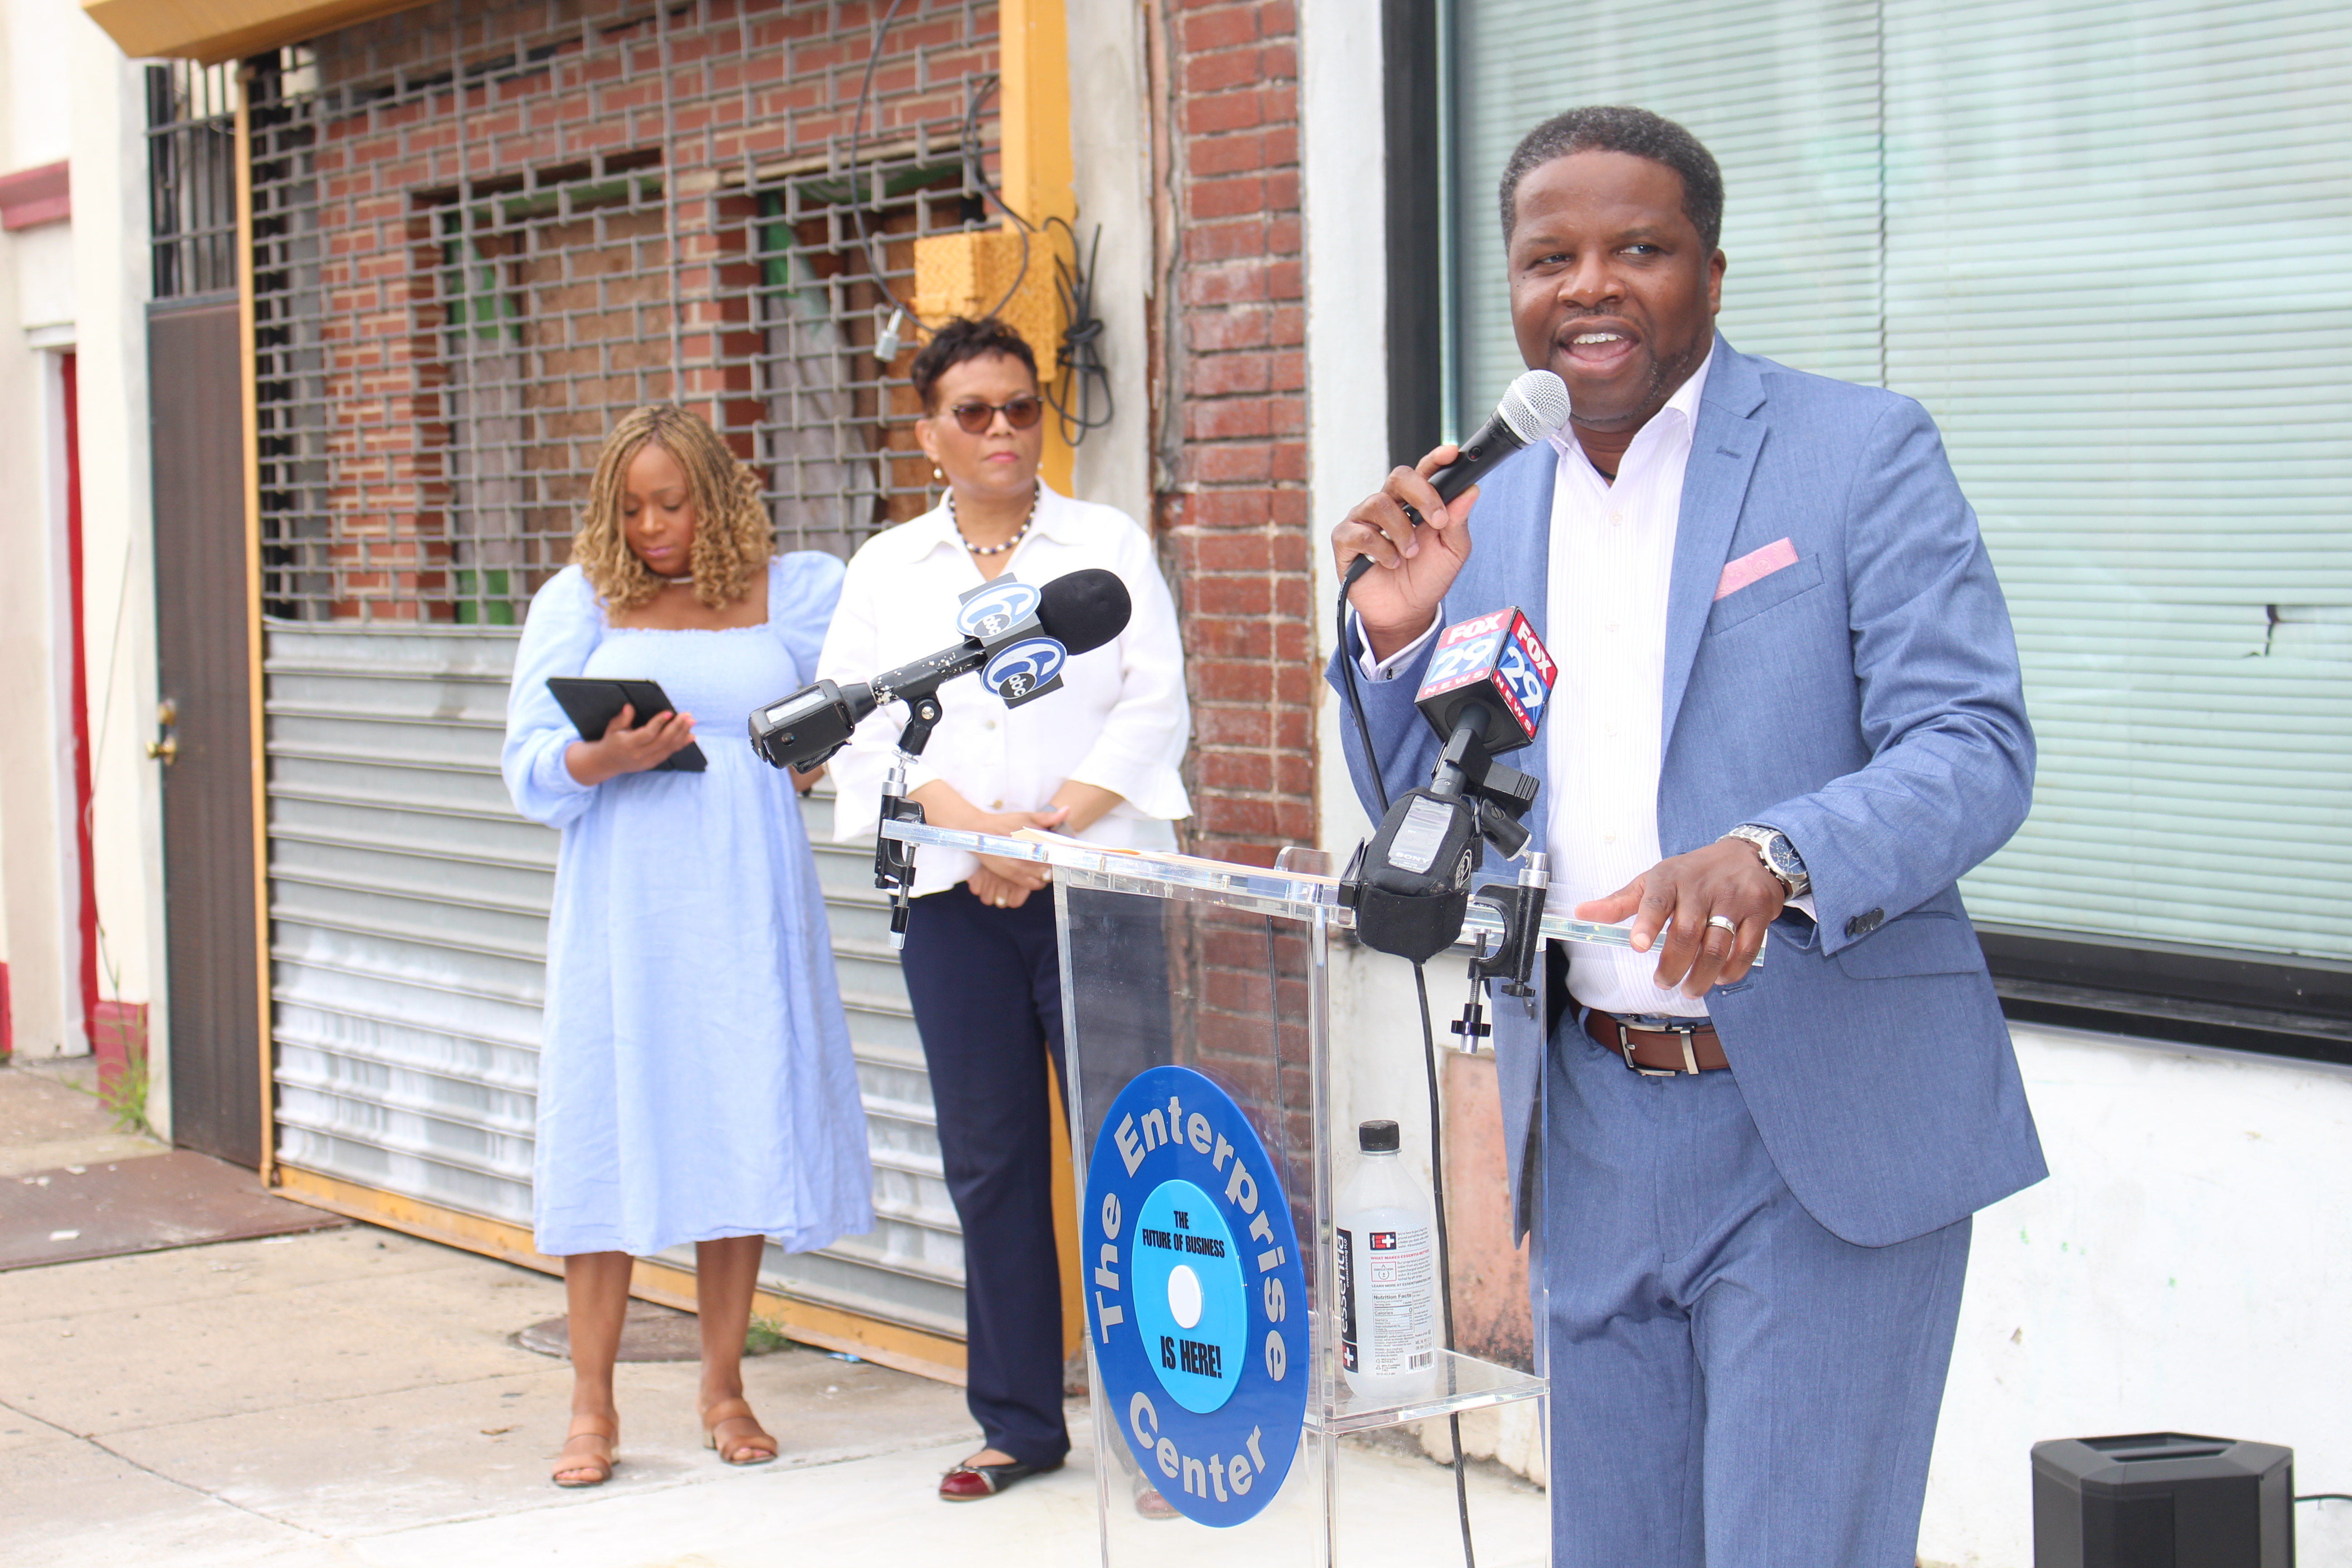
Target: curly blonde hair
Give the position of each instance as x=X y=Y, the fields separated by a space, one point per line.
x=733 y=534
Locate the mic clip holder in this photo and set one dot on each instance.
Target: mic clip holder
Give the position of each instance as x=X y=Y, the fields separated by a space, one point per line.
x=1410 y=886
x=999 y=623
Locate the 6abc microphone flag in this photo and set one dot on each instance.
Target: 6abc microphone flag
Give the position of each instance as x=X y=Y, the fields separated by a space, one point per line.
x=1024 y=663
x=1017 y=636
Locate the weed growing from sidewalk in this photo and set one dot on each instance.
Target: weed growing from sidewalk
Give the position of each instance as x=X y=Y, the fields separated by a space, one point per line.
x=125 y=1099
x=123 y=1095
x=765 y=1336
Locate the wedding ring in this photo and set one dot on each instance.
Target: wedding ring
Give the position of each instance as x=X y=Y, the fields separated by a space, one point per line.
x=1723 y=922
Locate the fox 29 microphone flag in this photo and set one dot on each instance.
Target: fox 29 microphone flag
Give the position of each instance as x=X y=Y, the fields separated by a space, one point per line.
x=1496 y=662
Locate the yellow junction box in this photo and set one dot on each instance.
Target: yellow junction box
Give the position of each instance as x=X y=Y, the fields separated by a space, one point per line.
x=964 y=274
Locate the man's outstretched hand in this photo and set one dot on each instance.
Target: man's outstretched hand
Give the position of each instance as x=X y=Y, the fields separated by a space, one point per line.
x=1677 y=896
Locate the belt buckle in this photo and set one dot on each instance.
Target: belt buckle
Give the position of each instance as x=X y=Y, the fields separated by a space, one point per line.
x=1690 y=1056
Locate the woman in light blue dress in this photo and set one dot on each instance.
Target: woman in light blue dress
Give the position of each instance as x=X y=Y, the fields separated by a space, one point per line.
x=695 y=1079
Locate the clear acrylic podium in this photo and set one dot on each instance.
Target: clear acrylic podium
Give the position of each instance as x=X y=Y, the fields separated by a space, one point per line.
x=1226 y=969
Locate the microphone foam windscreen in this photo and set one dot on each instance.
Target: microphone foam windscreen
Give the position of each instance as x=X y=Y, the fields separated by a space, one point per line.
x=1535 y=407
x=1084 y=610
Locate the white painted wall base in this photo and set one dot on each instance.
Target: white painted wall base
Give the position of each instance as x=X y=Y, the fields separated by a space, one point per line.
x=2188 y=1267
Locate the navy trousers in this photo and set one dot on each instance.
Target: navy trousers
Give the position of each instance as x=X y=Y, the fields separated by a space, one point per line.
x=1733 y=1386
x=987 y=991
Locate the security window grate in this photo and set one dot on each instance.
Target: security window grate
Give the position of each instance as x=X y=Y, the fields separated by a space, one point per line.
x=482 y=235
x=191 y=179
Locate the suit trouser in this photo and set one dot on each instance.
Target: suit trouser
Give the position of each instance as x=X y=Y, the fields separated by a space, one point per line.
x=1732 y=1384
x=987 y=992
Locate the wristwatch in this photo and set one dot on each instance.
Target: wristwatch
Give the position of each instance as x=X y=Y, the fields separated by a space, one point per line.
x=1779 y=856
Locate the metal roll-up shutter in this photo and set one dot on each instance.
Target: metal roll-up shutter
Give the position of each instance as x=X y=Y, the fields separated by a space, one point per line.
x=408 y=908
x=409 y=917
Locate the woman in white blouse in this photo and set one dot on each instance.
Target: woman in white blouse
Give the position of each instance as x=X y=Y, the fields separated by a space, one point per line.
x=1098 y=759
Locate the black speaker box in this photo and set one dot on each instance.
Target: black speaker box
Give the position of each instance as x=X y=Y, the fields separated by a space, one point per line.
x=2163 y=1499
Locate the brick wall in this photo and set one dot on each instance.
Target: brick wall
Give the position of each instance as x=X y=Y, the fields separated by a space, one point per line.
x=523 y=222
x=1230 y=428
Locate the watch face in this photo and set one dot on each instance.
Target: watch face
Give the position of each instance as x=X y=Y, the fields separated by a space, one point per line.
x=1785 y=858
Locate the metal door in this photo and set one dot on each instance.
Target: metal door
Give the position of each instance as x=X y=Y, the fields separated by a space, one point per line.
x=201 y=610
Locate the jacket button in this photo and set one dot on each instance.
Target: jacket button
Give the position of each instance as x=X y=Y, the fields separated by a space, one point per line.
x=1865 y=923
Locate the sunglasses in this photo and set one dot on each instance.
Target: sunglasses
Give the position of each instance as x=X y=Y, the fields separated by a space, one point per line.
x=1021 y=413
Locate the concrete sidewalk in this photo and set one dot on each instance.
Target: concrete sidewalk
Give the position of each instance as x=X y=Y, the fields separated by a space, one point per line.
x=50 y=1116
x=355 y=1396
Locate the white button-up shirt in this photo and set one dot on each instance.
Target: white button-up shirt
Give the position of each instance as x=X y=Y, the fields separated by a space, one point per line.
x=1612 y=559
x=1120 y=721
x=1610 y=567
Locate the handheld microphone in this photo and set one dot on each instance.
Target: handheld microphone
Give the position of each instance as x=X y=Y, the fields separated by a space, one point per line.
x=1532 y=409
x=1488 y=683
x=1019 y=635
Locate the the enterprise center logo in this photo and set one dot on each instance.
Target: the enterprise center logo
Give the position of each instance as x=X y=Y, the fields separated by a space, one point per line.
x=1197 y=1300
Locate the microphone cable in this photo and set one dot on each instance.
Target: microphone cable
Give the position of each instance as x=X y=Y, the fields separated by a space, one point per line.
x=1429 y=1079
x=1444 y=1250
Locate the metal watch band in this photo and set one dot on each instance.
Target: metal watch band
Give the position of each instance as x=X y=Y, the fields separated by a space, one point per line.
x=1760 y=838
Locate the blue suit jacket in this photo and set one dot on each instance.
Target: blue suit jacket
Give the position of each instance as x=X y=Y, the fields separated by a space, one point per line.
x=1866 y=701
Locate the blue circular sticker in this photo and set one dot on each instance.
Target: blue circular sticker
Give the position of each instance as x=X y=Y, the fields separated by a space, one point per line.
x=996 y=609
x=1025 y=667
x=1197 y=1300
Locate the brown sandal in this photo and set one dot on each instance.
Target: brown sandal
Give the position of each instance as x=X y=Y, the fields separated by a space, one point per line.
x=595 y=1429
x=757 y=1447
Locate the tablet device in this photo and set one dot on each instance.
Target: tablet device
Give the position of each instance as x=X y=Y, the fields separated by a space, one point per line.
x=591 y=703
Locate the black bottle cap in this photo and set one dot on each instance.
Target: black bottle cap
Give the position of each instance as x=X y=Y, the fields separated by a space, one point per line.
x=1377 y=1137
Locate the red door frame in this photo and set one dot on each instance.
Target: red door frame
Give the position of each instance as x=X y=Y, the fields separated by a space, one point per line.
x=86 y=919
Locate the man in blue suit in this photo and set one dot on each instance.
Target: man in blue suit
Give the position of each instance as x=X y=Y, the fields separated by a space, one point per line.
x=1787 y=697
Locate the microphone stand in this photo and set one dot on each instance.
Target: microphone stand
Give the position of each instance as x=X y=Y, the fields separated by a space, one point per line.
x=894 y=858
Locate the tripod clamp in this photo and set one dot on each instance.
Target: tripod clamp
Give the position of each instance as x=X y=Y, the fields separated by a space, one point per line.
x=1520 y=906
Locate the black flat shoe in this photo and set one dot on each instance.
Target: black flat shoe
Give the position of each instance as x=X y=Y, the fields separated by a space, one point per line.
x=970 y=1483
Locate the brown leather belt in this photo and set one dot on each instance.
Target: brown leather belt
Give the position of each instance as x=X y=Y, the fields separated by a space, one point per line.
x=1658 y=1053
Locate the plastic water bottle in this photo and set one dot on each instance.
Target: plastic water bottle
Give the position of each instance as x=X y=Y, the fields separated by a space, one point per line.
x=1388 y=1274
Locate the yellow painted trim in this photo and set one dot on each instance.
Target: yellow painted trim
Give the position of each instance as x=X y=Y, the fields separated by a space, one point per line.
x=257 y=777
x=211 y=31
x=1033 y=43
x=886 y=1344
x=1040 y=168
x=1065 y=1188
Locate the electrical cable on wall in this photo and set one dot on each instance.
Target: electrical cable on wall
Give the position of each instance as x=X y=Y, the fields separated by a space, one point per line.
x=857 y=187
x=975 y=173
x=857 y=176
x=1081 y=375
x=1080 y=356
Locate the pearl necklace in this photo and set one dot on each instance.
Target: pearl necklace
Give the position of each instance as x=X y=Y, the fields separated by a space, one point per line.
x=1022 y=533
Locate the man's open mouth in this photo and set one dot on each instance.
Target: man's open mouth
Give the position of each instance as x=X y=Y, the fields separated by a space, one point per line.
x=1598 y=347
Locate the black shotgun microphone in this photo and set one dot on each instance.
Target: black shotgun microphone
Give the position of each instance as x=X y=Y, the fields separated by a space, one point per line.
x=1532 y=409
x=1021 y=635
